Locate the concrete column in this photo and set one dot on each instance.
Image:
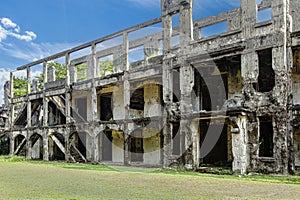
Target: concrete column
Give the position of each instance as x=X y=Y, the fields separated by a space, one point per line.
x=186 y=22
x=126 y=93
x=7 y=93
x=11 y=145
x=28 y=147
x=11 y=106
x=45 y=102
x=89 y=147
x=45 y=146
x=29 y=114
x=167 y=81
x=34 y=85
x=94 y=107
x=195 y=143
x=67 y=144
x=51 y=74
x=68 y=94
x=240 y=150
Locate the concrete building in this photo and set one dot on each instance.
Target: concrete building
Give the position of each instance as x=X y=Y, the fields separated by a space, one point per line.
x=225 y=99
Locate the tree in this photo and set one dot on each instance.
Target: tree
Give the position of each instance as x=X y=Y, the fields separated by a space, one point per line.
x=106 y=66
x=81 y=72
x=20 y=84
x=20 y=87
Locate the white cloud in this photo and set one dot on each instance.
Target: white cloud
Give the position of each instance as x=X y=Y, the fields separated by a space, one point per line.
x=29 y=52
x=7 y=23
x=9 y=28
x=29 y=36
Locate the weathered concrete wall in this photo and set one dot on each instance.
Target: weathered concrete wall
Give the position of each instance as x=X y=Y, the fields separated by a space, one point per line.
x=117 y=147
x=35 y=151
x=118 y=103
x=152 y=146
x=152 y=100
x=240 y=149
x=235 y=82
x=87 y=95
x=297 y=147
x=296 y=88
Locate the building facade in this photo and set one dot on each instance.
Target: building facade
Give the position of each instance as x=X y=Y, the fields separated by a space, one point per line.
x=158 y=94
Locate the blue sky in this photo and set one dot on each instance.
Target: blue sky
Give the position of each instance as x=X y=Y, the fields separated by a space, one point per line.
x=33 y=29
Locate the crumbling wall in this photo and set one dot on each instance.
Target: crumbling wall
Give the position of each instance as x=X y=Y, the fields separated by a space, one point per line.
x=117 y=147
x=152 y=146
x=297 y=147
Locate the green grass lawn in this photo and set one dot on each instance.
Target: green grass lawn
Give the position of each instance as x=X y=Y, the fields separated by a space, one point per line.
x=20 y=179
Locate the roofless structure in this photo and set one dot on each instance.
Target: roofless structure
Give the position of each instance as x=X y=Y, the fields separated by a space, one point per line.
x=157 y=94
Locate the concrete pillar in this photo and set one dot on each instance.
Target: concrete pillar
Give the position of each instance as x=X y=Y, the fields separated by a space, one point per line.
x=186 y=22
x=195 y=143
x=94 y=107
x=29 y=113
x=282 y=64
x=51 y=74
x=11 y=105
x=45 y=145
x=167 y=81
x=126 y=93
x=28 y=147
x=67 y=144
x=34 y=85
x=7 y=93
x=11 y=145
x=240 y=150
x=89 y=147
x=68 y=94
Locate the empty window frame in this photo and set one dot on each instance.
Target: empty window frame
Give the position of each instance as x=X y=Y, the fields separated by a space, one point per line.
x=106 y=103
x=81 y=72
x=214 y=29
x=176 y=139
x=266 y=78
x=266 y=135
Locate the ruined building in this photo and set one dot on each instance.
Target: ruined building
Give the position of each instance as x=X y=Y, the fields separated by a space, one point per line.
x=226 y=99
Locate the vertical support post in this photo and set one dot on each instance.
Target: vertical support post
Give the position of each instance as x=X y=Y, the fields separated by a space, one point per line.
x=28 y=147
x=167 y=81
x=45 y=102
x=11 y=145
x=68 y=94
x=28 y=100
x=11 y=117
x=186 y=83
x=282 y=64
x=45 y=146
x=126 y=93
x=94 y=141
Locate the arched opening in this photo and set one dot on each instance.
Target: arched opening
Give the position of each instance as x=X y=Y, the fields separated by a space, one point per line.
x=78 y=146
x=36 y=146
x=4 y=145
x=19 y=148
x=56 y=147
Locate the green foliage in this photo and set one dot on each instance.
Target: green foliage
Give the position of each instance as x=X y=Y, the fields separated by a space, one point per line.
x=12 y=159
x=106 y=66
x=81 y=72
x=20 y=84
x=20 y=87
x=61 y=70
